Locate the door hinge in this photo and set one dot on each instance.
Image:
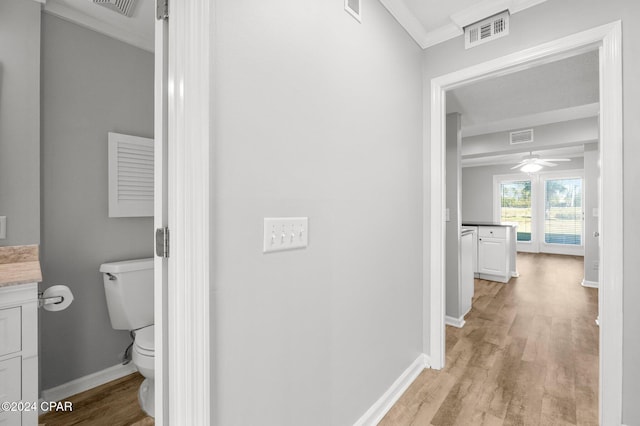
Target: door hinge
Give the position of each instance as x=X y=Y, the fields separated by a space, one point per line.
x=162 y=9
x=162 y=242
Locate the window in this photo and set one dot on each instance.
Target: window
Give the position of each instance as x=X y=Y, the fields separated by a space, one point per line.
x=563 y=211
x=515 y=206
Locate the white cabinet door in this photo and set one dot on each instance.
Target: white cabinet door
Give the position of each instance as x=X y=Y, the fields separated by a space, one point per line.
x=10 y=390
x=492 y=256
x=10 y=330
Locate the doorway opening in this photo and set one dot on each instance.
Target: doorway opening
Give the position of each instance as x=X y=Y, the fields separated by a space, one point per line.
x=607 y=40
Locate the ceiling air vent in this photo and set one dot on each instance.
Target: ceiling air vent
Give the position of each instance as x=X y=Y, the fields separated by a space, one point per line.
x=123 y=7
x=486 y=30
x=521 y=136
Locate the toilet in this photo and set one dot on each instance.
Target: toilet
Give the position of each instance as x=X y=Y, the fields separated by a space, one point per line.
x=128 y=286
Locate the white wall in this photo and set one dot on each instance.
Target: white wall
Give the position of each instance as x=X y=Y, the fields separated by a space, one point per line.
x=561 y=18
x=20 y=120
x=316 y=115
x=91 y=85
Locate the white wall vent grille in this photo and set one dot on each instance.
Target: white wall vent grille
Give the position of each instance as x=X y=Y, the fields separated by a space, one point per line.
x=521 y=136
x=130 y=176
x=486 y=30
x=353 y=8
x=123 y=7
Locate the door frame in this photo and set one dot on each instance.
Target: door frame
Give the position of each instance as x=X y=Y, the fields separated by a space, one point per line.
x=160 y=220
x=607 y=38
x=183 y=303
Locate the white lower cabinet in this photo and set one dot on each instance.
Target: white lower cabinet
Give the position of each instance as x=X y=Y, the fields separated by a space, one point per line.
x=10 y=389
x=492 y=257
x=496 y=253
x=19 y=355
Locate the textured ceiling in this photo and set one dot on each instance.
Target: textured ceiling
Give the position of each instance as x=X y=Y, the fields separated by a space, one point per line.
x=434 y=14
x=563 y=84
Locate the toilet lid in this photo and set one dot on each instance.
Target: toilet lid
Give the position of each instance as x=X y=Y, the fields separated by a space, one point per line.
x=144 y=338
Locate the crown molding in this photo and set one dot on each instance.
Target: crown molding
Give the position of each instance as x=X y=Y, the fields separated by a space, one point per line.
x=442 y=34
x=407 y=20
x=459 y=20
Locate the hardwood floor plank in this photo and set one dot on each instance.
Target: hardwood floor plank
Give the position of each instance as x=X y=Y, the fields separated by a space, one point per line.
x=527 y=355
x=112 y=404
x=586 y=390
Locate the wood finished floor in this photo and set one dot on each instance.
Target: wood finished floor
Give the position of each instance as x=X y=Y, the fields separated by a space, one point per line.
x=527 y=355
x=114 y=404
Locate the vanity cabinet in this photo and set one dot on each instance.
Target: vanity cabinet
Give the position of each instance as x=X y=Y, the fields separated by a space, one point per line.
x=19 y=352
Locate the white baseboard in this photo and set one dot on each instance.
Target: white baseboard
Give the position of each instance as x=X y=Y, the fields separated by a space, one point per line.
x=380 y=408
x=90 y=381
x=456 y=322
x=590 y=284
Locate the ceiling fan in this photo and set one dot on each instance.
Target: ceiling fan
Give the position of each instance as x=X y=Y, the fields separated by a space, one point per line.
x=533 y=163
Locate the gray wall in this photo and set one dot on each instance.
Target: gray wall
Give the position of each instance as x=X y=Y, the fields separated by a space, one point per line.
x=562 y=18
x=20 y=120
x=316 y=115
x=453 y=184
x=477 y=188
x=91 y=84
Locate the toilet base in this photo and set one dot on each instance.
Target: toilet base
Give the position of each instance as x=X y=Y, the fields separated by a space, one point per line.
x=147 y=397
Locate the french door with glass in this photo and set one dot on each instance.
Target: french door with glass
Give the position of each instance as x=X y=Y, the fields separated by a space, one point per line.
x=548 y=208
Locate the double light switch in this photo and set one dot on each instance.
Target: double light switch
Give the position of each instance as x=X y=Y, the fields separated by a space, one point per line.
x=285 y=233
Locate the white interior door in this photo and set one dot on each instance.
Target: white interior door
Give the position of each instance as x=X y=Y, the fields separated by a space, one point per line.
x=161 y=220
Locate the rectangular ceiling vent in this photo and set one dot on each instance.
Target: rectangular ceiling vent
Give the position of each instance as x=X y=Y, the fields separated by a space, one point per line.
x=486 y=30
x=521 y=136
x=353 y=8
x=123 y=7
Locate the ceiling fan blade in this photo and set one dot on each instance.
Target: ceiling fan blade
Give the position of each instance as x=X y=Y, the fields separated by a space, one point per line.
x=555 y=159
x=545 y=163
x=517 y=166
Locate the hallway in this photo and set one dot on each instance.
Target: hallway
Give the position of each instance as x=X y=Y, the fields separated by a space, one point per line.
x=527 y=355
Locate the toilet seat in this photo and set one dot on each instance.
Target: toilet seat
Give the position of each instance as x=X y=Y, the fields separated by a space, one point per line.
x=144 y=342
x=143 y=353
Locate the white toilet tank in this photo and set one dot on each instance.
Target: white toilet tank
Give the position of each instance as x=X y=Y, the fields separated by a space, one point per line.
x=128 y=286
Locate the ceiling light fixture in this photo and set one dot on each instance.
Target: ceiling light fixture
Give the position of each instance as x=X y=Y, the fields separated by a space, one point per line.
x=533 y=163
x=531 y=168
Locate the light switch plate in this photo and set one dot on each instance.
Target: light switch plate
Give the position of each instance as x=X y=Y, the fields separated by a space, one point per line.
x=285 y=233
x=3 y=227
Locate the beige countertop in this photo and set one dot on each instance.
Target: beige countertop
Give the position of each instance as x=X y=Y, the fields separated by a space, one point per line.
x=19 y=265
